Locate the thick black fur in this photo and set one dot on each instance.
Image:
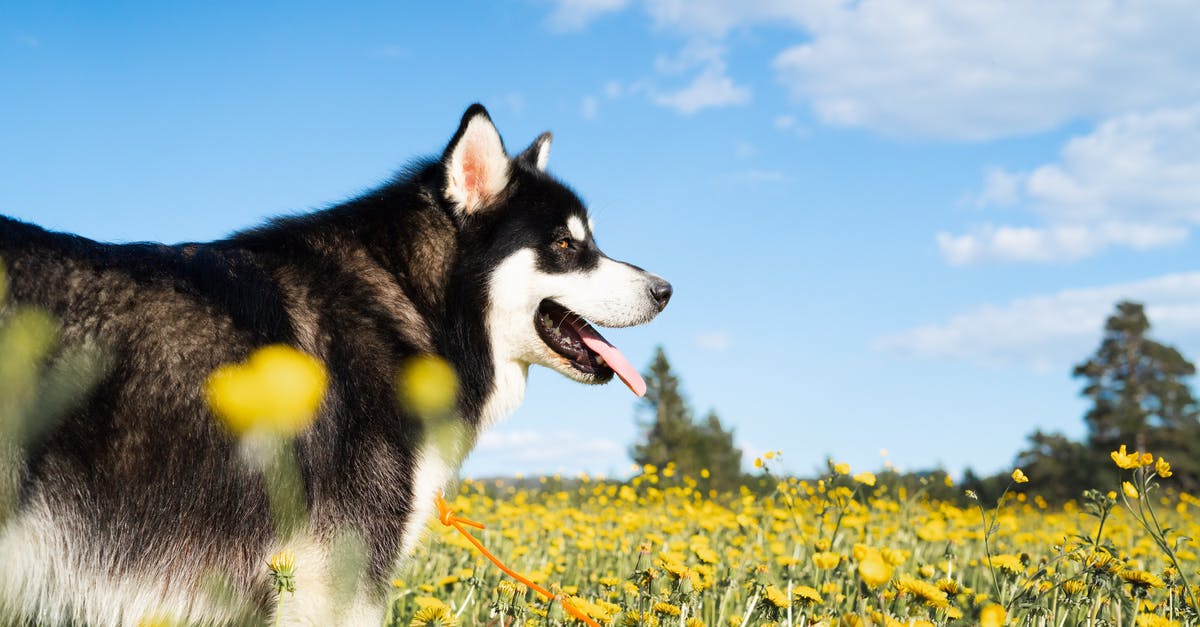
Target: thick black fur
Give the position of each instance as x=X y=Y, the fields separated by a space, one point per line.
x=141 y=468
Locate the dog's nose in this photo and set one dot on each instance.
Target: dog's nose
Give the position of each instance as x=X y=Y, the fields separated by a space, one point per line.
x=661 y=291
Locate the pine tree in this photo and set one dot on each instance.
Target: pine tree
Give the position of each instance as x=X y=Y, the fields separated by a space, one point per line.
x=671 y=435
x=1136 y=385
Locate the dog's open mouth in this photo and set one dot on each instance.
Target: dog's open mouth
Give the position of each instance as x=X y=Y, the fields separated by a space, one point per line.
x=569 y=335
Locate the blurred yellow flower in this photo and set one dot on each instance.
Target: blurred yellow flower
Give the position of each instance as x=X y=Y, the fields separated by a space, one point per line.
x=826 y=560
x=841 y=468
x=427 y=385
x=874 y=571
x=277 y=390
x=1129 y=490
x=1163 y=468
x=1018 y=475
x=433 y=616
x=992 y=616
x=865 y=478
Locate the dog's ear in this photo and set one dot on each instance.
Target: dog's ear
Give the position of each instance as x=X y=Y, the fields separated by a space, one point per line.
x=475 y=161
x=536 y=155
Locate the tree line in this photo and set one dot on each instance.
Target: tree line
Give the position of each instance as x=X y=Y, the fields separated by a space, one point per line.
x=1137 y=388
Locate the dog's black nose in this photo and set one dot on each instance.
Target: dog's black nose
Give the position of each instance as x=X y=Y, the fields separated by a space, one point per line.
x=661 y=291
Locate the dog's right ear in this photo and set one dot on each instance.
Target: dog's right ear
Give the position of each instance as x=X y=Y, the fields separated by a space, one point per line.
x=476 y=163
x=538 y=153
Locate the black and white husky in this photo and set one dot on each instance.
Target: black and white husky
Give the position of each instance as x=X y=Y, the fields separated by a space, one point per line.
x=136 y=494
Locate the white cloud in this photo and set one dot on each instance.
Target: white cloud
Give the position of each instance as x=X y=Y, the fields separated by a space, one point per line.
x=955 y=70
x=1133 y=182
x=572 y=15
x=711 y=87
x=1052 y=332
x=979 y=70
x=544 y=447
x=589 y=107
x=713 y=341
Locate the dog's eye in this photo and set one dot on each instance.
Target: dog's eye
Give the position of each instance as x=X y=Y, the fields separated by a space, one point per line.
x=564 y=243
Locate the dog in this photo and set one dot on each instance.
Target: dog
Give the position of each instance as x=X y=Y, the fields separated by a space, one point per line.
x=136 y=495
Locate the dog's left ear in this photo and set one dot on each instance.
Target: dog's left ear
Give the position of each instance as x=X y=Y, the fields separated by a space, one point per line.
x=538 y=153
x=475 y=161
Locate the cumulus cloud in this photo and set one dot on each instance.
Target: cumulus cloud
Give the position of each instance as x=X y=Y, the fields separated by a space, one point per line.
x=951 y=70
x=710 y=87
x=958 y=70
x=572 y=15
x=1133 y=182
x=1052 y=332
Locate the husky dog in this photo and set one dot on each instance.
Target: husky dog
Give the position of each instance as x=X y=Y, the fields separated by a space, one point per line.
x=136 y=494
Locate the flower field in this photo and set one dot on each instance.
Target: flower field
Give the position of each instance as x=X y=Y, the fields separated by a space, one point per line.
x=839 y=550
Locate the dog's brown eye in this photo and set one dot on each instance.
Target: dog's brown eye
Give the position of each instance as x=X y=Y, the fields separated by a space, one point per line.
x=564 y=243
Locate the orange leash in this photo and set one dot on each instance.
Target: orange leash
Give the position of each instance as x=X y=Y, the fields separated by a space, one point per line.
x=450 y=519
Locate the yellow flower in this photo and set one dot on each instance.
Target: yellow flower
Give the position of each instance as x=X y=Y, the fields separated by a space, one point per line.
x=758 y=462
x=777 y=597
x=433 y=616
x=826 y=560
x=1129 y=461
x=1129 y=490
x=841 y=468
x=924 y=590
x=807 y=595
x=1074 y=587
x=1142 y=579
x=277 y=390
x=666 y=609
x=1163 y=468
x=865 y=478
x=1010 y=563
x=427 y=385
x=283 y=571
x=874 y=571
x=1018 y=475
x=992 y=616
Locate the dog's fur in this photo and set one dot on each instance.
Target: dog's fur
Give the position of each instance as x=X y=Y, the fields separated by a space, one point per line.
x=136 y=495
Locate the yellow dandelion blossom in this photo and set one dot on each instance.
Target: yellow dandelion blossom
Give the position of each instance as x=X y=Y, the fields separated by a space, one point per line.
x=841 y=468
x=1154 y=620
x=1010 y=564
x=427 y=385
x=1074 y=587
x=777 y=597
x=874 y=571
x=694 y=622
x=283 y=571
x=826 y=560
x=1142 y=579
x=277 y=390
x=807 y=595
x=865 y=478
x=1018 y=476
x=1163 y=468
x=433 y=616
x=1129 y=490
x=992 y=616
x=924 y=590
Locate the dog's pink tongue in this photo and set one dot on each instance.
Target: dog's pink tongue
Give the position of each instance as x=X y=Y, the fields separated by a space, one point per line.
x=614 y=359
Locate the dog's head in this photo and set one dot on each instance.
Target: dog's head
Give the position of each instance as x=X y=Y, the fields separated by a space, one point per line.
x=546 y=277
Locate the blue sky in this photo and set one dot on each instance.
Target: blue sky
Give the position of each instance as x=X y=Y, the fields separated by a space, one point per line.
x=890 y=225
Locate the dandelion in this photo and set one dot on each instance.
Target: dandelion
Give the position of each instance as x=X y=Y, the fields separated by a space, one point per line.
x=1163 y=468
x=283 y=571
x=1008 y=563
x=874 y=571
x=1018 y=476
x=926 y=591
x=841 y=468
x=776 y=597
x=277 y=390
x=433 y=616
x=865 y=478
x=427 y=385
x=807 y=595
x=826 y=560
x=992 y=616
x=1129 y=490
x=1142 y=579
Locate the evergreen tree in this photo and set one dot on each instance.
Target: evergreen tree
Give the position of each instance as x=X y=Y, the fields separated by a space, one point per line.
x=1136 y=385
x=671 y=435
